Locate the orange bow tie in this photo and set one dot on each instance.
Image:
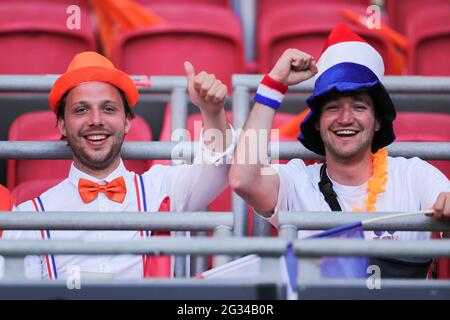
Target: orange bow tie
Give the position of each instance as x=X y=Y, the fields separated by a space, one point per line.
x=114 y=190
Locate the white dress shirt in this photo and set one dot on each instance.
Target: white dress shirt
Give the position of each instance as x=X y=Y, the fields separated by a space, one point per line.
x=190 y=188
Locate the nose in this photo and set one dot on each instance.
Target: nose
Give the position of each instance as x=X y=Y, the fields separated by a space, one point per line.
x=345 y=116
x=96 y=118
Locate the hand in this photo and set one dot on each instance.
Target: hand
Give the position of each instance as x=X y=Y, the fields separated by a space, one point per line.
x=442 y=206
x=206 y=92
x=293 y=67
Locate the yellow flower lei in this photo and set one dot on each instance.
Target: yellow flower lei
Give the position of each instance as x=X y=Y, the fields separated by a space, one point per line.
x=376 y=184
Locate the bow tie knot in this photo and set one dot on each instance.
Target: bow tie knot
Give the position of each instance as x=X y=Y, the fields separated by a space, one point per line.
x=115 y=190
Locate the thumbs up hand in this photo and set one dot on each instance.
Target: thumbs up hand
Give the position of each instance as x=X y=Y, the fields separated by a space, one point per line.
x=206 y=92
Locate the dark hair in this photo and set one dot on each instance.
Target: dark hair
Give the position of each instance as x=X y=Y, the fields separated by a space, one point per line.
x=61 y=106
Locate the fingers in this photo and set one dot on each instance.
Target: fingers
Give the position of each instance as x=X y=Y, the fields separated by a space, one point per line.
x=203 y=83
x=442 y=206
x=293 y=67
x=210 y=89
x=313 y=66
x=190 y=71
x=218 y=93
x=304 y=62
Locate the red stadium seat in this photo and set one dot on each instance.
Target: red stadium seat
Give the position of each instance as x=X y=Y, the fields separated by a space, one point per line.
x=35 y=37
x=424 y=127
x=307 y=28
x=429 y=35
x=400 y=11
x=41 y=126
x=212 y=41
x=267 y=6
x=31 y=189
x=177 y=2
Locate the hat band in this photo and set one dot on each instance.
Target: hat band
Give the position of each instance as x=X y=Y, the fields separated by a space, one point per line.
x=343 y=77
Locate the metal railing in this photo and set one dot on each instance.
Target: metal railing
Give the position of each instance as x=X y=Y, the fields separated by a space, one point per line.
x=270 y=249
x=219 y=223
x=289 y=223
x=326 y=220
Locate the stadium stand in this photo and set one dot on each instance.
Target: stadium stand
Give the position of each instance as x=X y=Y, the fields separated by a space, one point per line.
x=28 y=30
x=177 y=2
x=428 y=32
x=434 y=127
x=212 y=41
x=282 y=28
x=267 y=6
x=41 y=126
x=400 y=11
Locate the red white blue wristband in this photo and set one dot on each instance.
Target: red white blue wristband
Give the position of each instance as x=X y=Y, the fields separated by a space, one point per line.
x=270 y=93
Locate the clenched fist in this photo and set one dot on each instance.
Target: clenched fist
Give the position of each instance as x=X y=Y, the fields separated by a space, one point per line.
x=293 y=67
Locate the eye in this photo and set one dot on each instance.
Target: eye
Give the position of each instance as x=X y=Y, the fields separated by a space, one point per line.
x=109 y=108
x=360 y=107
x=80 y=109
x=332 y=107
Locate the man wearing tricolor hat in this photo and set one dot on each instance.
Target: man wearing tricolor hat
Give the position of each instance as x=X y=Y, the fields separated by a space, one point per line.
x=93 y=102
x=350 y=123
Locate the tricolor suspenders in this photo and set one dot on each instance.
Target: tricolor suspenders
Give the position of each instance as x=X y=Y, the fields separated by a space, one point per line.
x=142 y=207
x=141 y=199
x=45 y=234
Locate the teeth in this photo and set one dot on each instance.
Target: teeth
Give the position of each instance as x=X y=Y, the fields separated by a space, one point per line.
x=346 y=132
x=96 y=138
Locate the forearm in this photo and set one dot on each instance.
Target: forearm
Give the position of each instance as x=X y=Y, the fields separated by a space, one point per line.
x=217 y=135
x=250 y=157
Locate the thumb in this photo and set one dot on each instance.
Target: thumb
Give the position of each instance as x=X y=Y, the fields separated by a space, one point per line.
x=190 y=72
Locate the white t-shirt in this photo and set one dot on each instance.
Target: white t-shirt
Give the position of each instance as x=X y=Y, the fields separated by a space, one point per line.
x=412 y=185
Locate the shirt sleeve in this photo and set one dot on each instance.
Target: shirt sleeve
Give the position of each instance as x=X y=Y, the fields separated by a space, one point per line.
x=32 y=264
x=429 y=183
x=192 y=187
x=287 y=174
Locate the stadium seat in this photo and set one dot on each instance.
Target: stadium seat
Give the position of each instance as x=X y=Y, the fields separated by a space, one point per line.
x=212 y=42
x=35 y=37
x=31 y=189
x=282 y=29
x=177 y=2
x=267 y=6
x=400 y=11
x=424 y=127
x=429 y=34
x=41 y=126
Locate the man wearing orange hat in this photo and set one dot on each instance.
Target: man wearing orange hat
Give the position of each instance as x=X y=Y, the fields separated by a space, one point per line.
x=350 y=123
x=93 y=102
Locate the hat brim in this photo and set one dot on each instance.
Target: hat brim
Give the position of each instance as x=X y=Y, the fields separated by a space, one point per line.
x=309 y=135
x=73 y=78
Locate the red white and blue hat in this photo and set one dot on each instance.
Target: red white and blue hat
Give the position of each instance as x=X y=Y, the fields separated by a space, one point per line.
x=348 y=63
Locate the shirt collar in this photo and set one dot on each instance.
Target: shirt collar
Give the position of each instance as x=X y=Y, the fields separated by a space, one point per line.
x=75 y=174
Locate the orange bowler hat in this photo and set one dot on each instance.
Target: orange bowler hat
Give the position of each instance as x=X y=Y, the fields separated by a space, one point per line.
x=91 y=66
